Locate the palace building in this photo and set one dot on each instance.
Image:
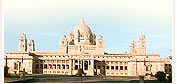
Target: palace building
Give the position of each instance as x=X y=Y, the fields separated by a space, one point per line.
x=83 y=50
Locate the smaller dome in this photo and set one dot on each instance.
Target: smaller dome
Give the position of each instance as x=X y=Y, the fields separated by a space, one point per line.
x=63 y=37
x=142 y=36
x=31 y=41
x=22 y=36
x=133 y=41
x=99 y=36
x=82 y=28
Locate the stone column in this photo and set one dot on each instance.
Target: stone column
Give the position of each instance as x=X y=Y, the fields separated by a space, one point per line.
x=73 y=64
x=19 y=68
x=119 y=66
x=65 y=64
x=92 y=68
x=48 y=65
x=61 y=64
x=43 y=66
x=136 y=68
x=70 y=66
x=109 y=65
x=124 y=66
x=56 y=65
x=114 y=65
x=39 y=66
x=78 y=64
x=83 y=65
x=88 y=64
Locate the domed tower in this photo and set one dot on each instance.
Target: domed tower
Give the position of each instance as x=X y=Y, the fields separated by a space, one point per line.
x=82 y=34
x=31 y=46
x=71 y=38
x=100 y=45
x=63 y=45
x=22 y=45
x=142 y=45
x=93 y=40
x=133 y=47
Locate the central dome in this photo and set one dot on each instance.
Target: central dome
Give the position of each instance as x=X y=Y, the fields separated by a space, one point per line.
x=82 y=27
x=81 y=34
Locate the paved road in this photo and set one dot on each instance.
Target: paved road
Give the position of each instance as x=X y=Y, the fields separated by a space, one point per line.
x=66 y=79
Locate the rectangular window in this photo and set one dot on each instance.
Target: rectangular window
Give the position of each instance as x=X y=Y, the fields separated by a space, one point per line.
x=117 y=67
x=54 y=65
x=86 y=67
x=50 y=66
x=125 y=67
x=112 y=67
x=120 y=63
x=147 y=69
x=121 y=67
x=16 y=66
x=107 y=67
x=76 y=67
x=58 y=61
x=76 y=61
x=58 y=66
x=67 y=66
x=63 y=66
x=41 y=66
x=45 y=66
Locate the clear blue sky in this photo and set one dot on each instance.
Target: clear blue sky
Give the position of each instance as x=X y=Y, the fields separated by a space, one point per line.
x=118 y=21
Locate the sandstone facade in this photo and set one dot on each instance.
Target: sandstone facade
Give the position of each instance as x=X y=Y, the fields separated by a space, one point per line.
x=82 y=49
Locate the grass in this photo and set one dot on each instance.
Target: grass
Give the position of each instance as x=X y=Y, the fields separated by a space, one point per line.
x=11 y=78
x=14 y=78
x=149 y=81
x=51 y=75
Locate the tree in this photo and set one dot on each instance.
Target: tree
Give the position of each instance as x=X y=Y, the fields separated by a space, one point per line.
x=79 y=73
x=170 y=57
x=161 y=76
x=6 y=71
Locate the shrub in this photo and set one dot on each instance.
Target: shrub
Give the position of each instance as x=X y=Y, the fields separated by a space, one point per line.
x=149 y=74
x=79 y=72
x=161 y=76
x=170 y=77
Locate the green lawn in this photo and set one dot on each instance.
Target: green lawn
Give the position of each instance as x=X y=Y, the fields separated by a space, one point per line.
x=149 y=81
x=14 y=78
x=11 y=78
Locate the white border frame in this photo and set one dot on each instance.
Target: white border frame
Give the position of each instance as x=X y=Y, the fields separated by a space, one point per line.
x=174 y=38
x=2 y=40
